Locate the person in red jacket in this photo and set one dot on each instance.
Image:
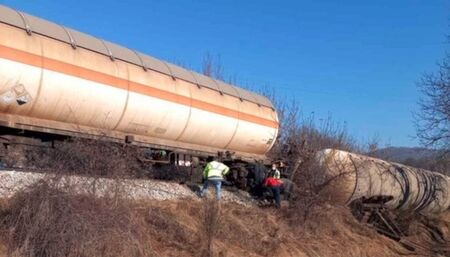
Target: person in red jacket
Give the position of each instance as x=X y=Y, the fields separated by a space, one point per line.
x=274 y=184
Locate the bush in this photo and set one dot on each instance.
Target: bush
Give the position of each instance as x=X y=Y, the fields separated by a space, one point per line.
x=45 y=221
x=298 y=141
x=95 y=158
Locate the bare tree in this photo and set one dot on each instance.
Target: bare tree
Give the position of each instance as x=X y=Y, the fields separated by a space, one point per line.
x=212 y=66
x=433 y=119
x=373 y=145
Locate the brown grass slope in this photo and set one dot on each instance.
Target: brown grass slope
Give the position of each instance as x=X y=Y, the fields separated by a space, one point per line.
x=47 y=222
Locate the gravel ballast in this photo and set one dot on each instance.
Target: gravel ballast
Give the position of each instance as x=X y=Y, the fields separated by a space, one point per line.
x=12 y=181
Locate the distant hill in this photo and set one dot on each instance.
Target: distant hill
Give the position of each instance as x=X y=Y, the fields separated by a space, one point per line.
x=416 y=157
x=404 y=154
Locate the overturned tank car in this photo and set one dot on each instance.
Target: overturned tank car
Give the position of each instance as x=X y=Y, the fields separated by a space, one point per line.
x=397 y=187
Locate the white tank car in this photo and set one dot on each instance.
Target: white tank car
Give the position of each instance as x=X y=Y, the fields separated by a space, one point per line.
x=58 y=80
x=411 y=189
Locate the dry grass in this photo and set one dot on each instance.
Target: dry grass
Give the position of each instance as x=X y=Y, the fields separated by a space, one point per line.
x=243 y=231
x=2 y=250
x=205 y=229
x=67 y=225
x=95 y=158
x=53 y=218
x=44 y=221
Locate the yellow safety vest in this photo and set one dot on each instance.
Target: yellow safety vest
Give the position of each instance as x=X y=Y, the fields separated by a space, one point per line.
x=215 y=170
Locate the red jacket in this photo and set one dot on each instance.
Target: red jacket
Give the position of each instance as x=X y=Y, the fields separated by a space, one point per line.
x=272 y=182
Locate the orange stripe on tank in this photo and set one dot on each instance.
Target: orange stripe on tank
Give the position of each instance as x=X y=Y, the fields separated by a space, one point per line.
x=84 y=73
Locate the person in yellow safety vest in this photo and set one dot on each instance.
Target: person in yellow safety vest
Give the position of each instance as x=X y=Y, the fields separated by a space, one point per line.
x=213 y=174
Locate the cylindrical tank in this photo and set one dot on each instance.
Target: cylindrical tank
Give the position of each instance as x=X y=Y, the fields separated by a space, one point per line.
x=356 y=176
x=60 y=80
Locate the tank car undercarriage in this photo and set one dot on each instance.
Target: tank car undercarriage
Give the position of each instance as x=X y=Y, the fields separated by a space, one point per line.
x=159 y=163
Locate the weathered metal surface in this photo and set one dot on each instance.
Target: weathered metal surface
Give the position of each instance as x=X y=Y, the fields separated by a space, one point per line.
x=361 y=177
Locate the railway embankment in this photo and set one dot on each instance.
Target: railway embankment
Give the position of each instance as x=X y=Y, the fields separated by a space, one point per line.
x=41 y=216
